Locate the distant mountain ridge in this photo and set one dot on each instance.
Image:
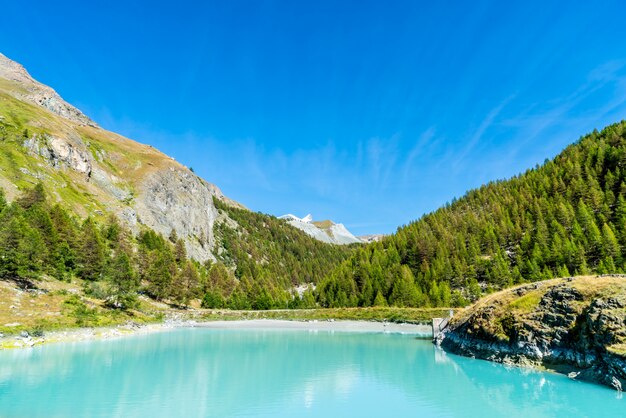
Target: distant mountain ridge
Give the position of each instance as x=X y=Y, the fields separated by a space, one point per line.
x=371 y=238
x=325 y=231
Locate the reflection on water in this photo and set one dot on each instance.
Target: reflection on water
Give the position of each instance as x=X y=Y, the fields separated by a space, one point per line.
x=201 y=373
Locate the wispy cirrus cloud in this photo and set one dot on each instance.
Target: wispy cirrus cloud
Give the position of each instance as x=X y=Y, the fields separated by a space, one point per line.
x=480 y=132
x=597 y=102
x=418 y=148
x=378 y=183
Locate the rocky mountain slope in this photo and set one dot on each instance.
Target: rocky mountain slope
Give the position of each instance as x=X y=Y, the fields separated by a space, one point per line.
x=96 y=172
x=325 y=231
x=575 y=326
x=179 y=240
x=368 y=239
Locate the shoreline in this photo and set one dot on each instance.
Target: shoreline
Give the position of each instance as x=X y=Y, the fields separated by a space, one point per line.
x=573 y=326
x=315 y=325
x=601 y=369
x=26 y=341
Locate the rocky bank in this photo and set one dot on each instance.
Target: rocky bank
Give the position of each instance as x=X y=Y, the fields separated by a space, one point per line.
x=575 y=326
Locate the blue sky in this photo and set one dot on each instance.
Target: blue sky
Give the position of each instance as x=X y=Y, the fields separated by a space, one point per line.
x=370 y=113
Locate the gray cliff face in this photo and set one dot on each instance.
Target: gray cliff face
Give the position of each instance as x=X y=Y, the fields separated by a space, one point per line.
x=568 y=331
x=176 y=199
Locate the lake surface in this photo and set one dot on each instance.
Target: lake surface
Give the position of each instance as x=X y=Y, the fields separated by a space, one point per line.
x=281 y=373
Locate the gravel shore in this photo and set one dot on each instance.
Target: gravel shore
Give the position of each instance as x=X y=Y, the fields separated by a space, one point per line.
x=313 y=325
x=86 y=334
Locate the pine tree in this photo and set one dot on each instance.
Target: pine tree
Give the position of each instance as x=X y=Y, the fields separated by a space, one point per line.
x=123 y=281
x=185 y=284
x=21 y=255
x=610 y=246
x=112 y=231
x=63 y=261
x=212 y=300
x=36 y=195
x=3 y=200
x=308 y=300
x=160 y=274
x=180 y=252
x=92 y=252
x=173 y=236
x=404 y=291
x=65 y=227
x=563 y=271
x=220 y=280
x=380 y=300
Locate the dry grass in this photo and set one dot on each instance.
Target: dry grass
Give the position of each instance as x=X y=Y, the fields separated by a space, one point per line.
x=508 y=299
x=323 y=224
x=618 y=349
x=496 y=313
x=527 y=303
x=595 y=286
x=22 y=310
x=59 y=305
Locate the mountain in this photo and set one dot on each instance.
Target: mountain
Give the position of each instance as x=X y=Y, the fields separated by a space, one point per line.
x=96 y=172
x=565 y=217
x=368 y=239
x=262 y=247
x=80 y=203
x=325 y=231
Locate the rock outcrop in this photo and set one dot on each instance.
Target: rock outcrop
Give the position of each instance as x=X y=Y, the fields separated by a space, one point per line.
x=67 y=152
x=575 y=326
x=176 y=199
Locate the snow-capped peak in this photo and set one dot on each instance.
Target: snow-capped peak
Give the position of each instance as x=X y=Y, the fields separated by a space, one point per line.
x=325 y=231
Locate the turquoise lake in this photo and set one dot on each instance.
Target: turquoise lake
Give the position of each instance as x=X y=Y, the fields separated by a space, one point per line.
x=281 y=373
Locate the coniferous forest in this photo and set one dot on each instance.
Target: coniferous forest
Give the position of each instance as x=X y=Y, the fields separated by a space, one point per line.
x=566 y=217
x=260 y=258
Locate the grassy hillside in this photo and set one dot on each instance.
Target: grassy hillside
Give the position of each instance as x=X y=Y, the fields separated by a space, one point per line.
x=57 y=305
x=565 y=217
x=23 y=123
